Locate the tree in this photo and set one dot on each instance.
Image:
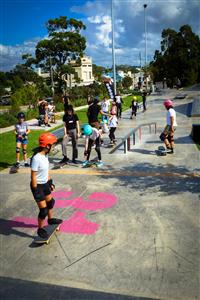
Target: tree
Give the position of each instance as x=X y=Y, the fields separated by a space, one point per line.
x=63 y=44
x=179 y=57
x=127 y=82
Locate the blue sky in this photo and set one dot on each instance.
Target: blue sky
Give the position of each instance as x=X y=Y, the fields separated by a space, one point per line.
x=22 y=25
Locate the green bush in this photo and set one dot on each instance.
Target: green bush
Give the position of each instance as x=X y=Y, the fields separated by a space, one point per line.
x=7 y=119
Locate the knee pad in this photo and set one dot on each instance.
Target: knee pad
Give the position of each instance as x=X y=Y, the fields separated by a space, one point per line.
x=43 y=213
x=24 y=151
x=51 y=203
x=17 y=150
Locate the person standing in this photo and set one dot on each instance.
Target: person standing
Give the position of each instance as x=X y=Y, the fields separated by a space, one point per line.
x=93 y=112
x=71 y=131
x=168 y=134
x=144 y=100
x=105 y=109
x=112 y=127
x=41 y=184
x=134 y=107
x=119 y=101
x=21 y=132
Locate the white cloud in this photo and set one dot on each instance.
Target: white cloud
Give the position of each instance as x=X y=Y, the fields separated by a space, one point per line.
x=11 y=55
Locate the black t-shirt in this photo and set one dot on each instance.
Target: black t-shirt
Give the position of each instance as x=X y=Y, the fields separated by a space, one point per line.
x=93 y=112
x=70 y=121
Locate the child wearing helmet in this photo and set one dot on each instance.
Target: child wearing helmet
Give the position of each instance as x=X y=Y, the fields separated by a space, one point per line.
x=41 y=183
x=93 y=136
x=134 y=107
x=21 y=132
x=168 y=133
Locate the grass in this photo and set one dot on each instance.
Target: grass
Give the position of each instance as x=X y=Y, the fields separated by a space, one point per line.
x=8 y=145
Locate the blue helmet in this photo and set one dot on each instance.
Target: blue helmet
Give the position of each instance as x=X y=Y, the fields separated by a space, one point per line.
x=87 y=129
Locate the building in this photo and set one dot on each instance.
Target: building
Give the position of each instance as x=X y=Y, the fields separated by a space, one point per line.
x=83 y=70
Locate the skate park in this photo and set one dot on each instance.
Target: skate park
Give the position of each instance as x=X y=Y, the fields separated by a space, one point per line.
x=130 y=230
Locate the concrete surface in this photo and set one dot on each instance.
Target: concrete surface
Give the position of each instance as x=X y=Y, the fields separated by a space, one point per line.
x=130 y=231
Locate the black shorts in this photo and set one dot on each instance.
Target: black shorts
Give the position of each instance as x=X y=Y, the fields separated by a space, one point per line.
x=41 y=191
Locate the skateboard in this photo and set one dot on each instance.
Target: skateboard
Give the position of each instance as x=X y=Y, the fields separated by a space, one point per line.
x=14 y=169
x=111 y=145
x=92 y=164
x=68 y=163
x=50 y=229
x=161 y=151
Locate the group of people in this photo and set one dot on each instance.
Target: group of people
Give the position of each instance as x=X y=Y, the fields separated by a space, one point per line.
x=46 y=112
x=41 y=183
x=93 y=131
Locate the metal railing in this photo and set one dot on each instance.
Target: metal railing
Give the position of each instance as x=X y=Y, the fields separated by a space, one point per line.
x=131 y=136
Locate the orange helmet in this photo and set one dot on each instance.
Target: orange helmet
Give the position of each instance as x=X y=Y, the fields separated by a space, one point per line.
x=47 y=139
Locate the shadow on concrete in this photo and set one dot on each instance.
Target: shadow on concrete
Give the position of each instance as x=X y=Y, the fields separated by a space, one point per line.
x=184 y=109
x=7 y=228
x=166 y=178
x=4 y=165
x=22 y=290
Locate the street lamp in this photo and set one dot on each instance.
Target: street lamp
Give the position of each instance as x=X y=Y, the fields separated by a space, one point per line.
x=113 y=46
x=145 y=35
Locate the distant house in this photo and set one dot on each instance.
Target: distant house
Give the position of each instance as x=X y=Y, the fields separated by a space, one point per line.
x=83 y=70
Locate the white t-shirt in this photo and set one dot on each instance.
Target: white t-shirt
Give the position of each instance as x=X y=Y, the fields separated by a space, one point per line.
x=113 y=122
x=118 y=99
x=105 y=105
x=95 y=134
x=40 y=164
x=171 y=113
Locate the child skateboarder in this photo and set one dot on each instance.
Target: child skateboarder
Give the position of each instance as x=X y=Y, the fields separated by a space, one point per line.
x=134 y=107
x=168 y=134
x=93 y=136
x=112 y=127
x=21 y=132
x=41 y=183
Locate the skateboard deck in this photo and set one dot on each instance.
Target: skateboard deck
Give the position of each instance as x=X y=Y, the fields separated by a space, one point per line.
x=50 y=229
x=14 y=169
x=69 y=163
x=92 y=164
x=161 y=151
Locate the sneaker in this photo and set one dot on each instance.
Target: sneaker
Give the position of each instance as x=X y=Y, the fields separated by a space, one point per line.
x=170 y=151
x=54 y=221
x=26 y=165
x=85 y=163
x=99 y=164
x=42 y=233
x=64 y=160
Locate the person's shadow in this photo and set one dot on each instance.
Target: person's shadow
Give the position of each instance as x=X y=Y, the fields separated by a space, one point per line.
x=7 y=227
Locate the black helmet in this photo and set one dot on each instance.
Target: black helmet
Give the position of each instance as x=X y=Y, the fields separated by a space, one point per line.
x=96 y=99
x=21 y=115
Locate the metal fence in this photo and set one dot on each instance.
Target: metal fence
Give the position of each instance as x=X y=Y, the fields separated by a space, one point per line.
x=130 y=139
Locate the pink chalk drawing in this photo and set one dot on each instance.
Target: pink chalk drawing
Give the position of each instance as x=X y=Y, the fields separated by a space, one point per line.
x=77 y=222
x=104 y=201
